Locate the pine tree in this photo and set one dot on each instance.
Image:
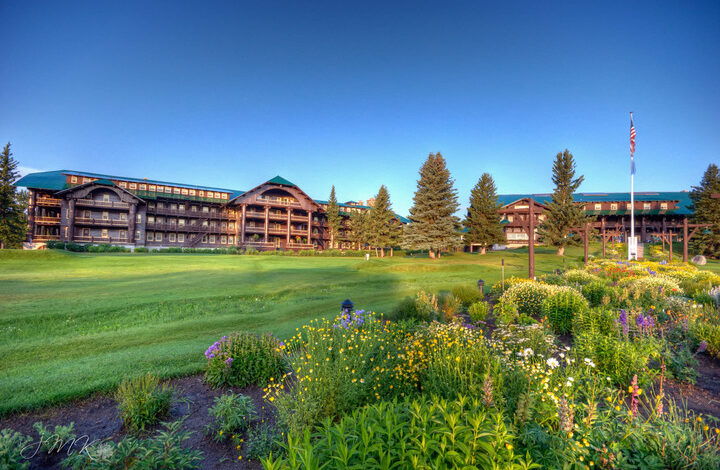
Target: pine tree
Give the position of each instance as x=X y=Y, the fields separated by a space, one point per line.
x=381 y=221
x=707 y=211
x=433 y=225
x=12 y=216
x=359 y=230
x=333 y=217
x=482 y=220
x=563 y=215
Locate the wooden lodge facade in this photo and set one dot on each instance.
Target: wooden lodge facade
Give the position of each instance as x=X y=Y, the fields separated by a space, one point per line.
x=657 y=214
x=79 y=207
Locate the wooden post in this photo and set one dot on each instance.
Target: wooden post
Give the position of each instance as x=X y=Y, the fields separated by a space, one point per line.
x=242 y=225
x=267 y=222
x=287 y=238
x=131 y=223
x=531 y=240
x=71 y=221
x=586 y=240
x=685 y=240
x=309 y=229
x=602 y=222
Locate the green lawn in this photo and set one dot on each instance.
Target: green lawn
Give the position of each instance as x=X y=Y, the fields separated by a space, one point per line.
x=71 y=324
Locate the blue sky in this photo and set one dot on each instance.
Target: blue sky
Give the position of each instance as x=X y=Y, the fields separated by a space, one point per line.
x=357 y=94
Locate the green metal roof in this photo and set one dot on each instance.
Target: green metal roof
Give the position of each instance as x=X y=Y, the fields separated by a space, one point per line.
x=53 y=180
x=683 y=198
x=280 y=180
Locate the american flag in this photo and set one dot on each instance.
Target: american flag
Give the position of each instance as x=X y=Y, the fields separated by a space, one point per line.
x=632 y=145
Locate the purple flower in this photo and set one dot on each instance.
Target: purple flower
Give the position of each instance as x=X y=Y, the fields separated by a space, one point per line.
x=702 y=347
x=649 y=321
x=640 y=320
x=229 y=360
x=623 y=317
x=211 y=356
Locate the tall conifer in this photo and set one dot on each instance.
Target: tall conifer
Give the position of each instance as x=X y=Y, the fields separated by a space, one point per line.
x=333 y=217
x=563 y=215
x=381 y=221
x=707 y=211
x=482 y=220
x=433 y=225
x=12 y=210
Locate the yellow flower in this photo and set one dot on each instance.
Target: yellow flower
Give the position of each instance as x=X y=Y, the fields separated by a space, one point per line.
x=509 y=446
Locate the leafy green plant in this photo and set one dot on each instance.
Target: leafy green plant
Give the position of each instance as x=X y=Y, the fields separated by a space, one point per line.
x=142 y=401
x=243 y=359
x=426 y=306
x=232 y=415
x=264 y=440
x=505 y=312
x=54 y=440
x=450 y=307
x=468 y=295
x=11 y=450
x=561 y=306
x=528 y=296
x=162 y=451
x=479 y=311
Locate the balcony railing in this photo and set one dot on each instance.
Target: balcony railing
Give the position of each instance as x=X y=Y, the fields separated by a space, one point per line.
x=92 y=239
x=300 y=246
x=106 y=204
x=101 y=222
x=189 y=213
x=276 y=201
x=47 y=220
x=44 y=238
x=46 y=201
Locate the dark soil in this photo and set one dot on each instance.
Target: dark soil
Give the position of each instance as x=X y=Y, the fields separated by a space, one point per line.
x=97 y=418
x=704 y=396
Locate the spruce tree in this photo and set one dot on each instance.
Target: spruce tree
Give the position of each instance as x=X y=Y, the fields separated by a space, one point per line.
x=333 y=217
x=359 y=230
x=381 y=221
x=12 y=216
x=563 y=215
x=433 y=225
x=482 y=220
x=707 y=211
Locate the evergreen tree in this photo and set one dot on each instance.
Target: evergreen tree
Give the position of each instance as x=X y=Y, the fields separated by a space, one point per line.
x=433 y=225
x=707 y=211
x=482 y=220
x=563 y=215
x=359 y=229
x=12 y=214
x=333 y=217
x=381 y=221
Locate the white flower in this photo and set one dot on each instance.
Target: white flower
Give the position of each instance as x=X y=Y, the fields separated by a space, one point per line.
x=553 y=363
x=527 y=352
x=589 y=362
x=562 y=355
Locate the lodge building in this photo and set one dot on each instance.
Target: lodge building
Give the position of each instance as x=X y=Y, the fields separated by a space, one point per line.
x=656 y=213
x=81 y=207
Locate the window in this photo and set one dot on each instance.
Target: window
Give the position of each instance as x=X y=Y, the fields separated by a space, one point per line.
x=181 y=222
x=137 y=234
x=86 y=180
x=181 y=237
x=217 y=196
x=104 y=233
x=613 y=207
x=192 y=192
x=646 y=206
x=168 y=189
x=510 y=218
x=204 y=239
x=598 y=207
x=151 y=206
x=105 y=215
x=160 y=188
x=86 y=232
x=172 y=237
x=173 y=207
x=138 y=217
x=206 y=209
x=133 y=186
x=663 y=206
x=181 y=207
x=158 y=236
x=223 y=225
x=201 y=193
x=224 y=195
x=73 y=179
x=223 y=240
x=87 y=214
x=160 y=205
x=123 y=184
x=123 y=216
x=204 y=223
x=231 y=225
x=184 y=191
x=212 y=238
x=151 y=187
x=123 y=234
x=230 y=240
x=143 y=187
x=106 y=198
x=193 y=208
x=629 y=206
x=150 y=219
x=149 y=236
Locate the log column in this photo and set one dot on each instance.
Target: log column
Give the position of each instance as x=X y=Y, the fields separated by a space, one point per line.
x=685 y=240
x=71 y=219
x=309 y=230
x=267 y=222
x=238 y=221
x=289 y=213
x=242 y=225
x=131 y=222
x=31 y=215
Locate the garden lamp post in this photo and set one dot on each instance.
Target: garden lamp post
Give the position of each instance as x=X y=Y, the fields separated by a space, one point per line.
x=347 y=306
x=481 y=285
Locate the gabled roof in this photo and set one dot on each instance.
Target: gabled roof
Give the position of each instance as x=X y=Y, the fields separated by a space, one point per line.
x=280 y=180
x=52 y=180
x=683 y=198
x=102 y=182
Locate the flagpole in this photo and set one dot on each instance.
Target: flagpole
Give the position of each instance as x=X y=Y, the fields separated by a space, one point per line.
x=631 y=242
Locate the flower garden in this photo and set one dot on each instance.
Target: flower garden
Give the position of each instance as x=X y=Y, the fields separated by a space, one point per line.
x=568 y=371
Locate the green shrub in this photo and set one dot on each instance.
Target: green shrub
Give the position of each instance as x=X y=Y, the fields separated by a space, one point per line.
x=478 y=311
x=427 y=433
x=426 y=306
x=450 y=307
x=163 y=451
x=232 y=415
x=580 y=276
x=243 y=359
x=142 y=401
x=250 y=251
x=597 y=293
x=141 y=249
x=600 y=321
x=264 y=440
x=54 y=244
x=519 y=338
x=561 y=306
x=553 y=279
x=11 y=450
x=528 y=296
x=505 y=312
x=55 y=440
x=405 y=310
x=703 y=331
x=468 y=295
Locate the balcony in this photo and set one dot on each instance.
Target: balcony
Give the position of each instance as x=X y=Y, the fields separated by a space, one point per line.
x=101 y=222
x=45 y=238
x=104 y=204
x=47 y=220
x=273 y=201
x=91 y=239
x=46 y=201
x=299 y=246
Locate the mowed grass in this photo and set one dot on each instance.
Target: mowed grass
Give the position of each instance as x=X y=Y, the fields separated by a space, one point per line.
x=72 y=323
